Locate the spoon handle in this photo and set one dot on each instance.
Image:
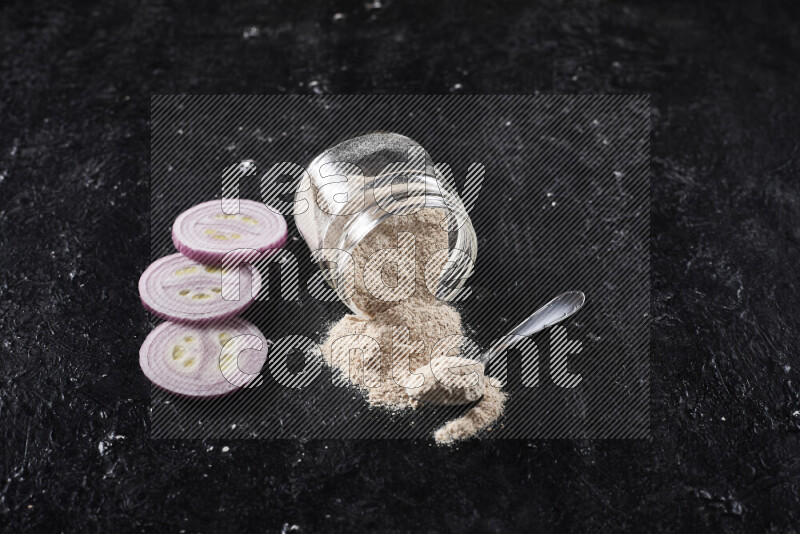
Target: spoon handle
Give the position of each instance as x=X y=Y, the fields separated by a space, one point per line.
x=551 y=313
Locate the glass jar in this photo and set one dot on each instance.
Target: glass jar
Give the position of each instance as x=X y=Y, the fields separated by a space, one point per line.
x=356 y=185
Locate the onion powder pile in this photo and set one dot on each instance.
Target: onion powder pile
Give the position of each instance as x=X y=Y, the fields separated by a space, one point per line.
x=369 y=366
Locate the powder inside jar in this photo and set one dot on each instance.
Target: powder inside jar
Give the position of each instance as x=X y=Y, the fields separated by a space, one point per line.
x=425 y=228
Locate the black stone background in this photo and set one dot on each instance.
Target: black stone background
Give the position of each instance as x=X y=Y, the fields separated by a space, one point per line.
x=76 y=84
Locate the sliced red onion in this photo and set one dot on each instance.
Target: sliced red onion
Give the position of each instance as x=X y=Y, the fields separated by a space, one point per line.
x=181 y=290
x=206 y=234
x=197 y=361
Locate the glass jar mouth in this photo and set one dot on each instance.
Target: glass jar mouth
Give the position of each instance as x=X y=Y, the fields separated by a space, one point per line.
x=462 y=244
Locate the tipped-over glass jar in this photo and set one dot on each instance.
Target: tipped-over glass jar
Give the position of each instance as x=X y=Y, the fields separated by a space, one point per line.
x=355 y=186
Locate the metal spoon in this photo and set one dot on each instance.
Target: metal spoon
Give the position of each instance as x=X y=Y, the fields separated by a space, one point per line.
x=551 y=313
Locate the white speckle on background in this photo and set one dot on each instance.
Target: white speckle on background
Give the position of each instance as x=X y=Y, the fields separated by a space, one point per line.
x=315 y=87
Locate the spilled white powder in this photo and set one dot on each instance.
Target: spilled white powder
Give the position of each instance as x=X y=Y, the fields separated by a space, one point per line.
x=480 y=416
x=449 y=380
x=370 y=366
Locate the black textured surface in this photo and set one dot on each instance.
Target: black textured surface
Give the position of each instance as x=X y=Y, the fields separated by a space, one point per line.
x=76 y=86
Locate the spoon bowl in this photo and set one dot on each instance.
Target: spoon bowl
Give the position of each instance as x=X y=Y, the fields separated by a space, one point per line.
x=551 y=313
